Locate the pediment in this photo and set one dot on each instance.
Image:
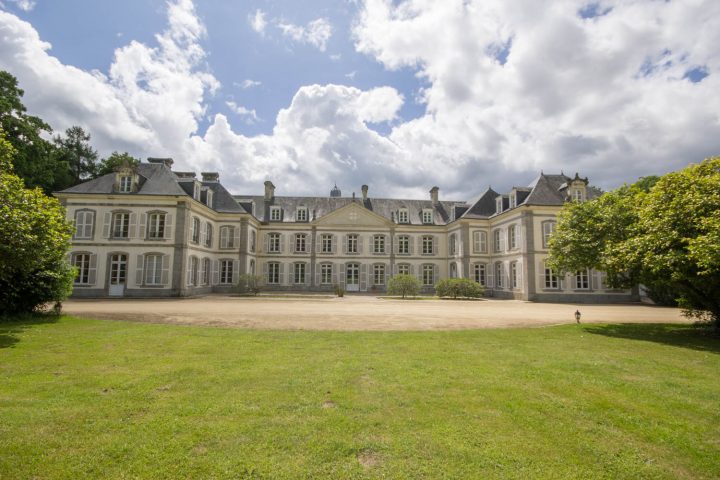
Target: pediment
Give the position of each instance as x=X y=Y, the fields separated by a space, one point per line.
x=353 y=214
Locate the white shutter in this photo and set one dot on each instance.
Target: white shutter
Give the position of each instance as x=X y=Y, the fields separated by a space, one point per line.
x=216 y=272
x=106 y=225
x=307 y=274
x=236 y=271
x=267 y=242
x=265 y=273
x=396 y=245
x=341 y=274
x=92 y=270
x=387 y=274
x=345 y=244
x=188 y=272
x=201 y=272
x=143 y=224
x=436 y=274
x=363 y=277
x=318 y=243
x=335 y=273
x=435 y=245
x=164 y=278
x=318 y=270
x=203 y=233
x=168 y=225
x=288 y=237
x=236 y=237
x=281 y=277
x=139 y=271
x=133 y=225
x=360 y=243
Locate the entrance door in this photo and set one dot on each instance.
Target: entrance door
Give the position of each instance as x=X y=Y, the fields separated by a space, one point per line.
x=118 y=274
x=352 y=277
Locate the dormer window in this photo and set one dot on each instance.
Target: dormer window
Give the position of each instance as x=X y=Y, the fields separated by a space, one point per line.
x=125 y=184
x=275 y=214
x=209 y=198
x=301 y=215
x=403 y=216
x=498 y=205
x=196 y=191
x=513 y=200
x=578 y=195
x=427 y=216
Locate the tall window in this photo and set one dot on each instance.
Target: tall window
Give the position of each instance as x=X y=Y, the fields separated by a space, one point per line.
x=379 y=274
x=120 y=225
x=352 y=243
x=514 y=275
x=82 y=262
x=196 y=191
x=84 y=224
x=302 y=214
x=275 y=214
x=499 y=275
x=548 y=229
x=578 y=195
x=427 y=245
x=299 y=273
x=479 y=274
x=428 y=275
x=227 y=237
x=327 y=243
x=379 y=244
x=226 y=271
x=156 y=225
x=209 y=198
x=273 y=273
x=195 y=230
x=273 y=242
x=513 y=200
x=208 y=234
x=498 y=204
x=497 y=240
x=479 y=242
x=582 y=280
x=253 y=239
x=453 y=244
x=512 y=236
x=206 y=271
x=403 y=244
x=153 y=269
x=427 y=216
x=192 y=271
x=403 y=216
x=326 y=273
x=125 y=184
x=551 y=279
x=300 y=243
x=403 y=269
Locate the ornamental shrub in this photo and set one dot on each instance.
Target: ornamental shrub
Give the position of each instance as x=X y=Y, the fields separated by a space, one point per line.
x=458 y=288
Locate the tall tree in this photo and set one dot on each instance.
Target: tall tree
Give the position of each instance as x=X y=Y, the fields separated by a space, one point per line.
x=75 y=150
x=114 y=161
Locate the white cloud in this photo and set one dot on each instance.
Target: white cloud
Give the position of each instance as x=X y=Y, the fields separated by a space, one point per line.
x=257 y=21
x=243 y=112
x=25 y=5
x=316 y=33
x=248 y=83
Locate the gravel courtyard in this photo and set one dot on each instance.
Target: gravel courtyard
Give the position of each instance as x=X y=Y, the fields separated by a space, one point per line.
x=360 y=313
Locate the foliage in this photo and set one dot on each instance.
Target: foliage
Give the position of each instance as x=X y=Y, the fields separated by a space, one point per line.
x=114 y=161
x=34 y=240
x=249 y=283
x=339 y=291
x=75 y=151
x=458 y=287
x=404 y=285
x=666 y=236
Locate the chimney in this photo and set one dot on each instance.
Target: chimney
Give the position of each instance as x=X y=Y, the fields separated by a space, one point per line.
x=434 y=195
x=210 y=176
x=168 y=162
x=364 y=189
x=269 y=190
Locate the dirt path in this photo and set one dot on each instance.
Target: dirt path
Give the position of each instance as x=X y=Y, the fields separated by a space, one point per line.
x=361 y=313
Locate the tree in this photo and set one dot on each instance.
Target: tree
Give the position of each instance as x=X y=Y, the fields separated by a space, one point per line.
x=458 y=287
x=667 y=234
x=34 y=240
x=75 y=151
x=404 y=285
x=114 y=161
x=249 y=283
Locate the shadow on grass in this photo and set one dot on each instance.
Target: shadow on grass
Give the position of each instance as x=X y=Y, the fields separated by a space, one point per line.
x=701 y=338
x=12 y=326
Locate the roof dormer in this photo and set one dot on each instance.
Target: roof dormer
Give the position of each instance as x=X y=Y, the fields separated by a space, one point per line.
x=126 y=179
x=577 y=189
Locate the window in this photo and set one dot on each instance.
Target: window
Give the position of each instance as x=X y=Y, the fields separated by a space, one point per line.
x=120 y=225
x=327 y=243
x=498 y=205
x=453 y=270
x=512 y=236
x=379 y=244
x=514 y=275
x=125 y=184
x=403 y=269
x=453 y=244
x=206 y=271
x=428 y=245
x=582 y=280
x=302 y=214
x=403 y=216
x=479 y=274
x=378 y=274
x=578 y=195
x=427 y=216
x=479 y=242
x=273 y=273
x=300 y=243
x=275 y=214
x=551 y=280
x=153 y=269
x=513 y=200
x=299 y=273
x=156 y=225
x=428 y=275
x=195 y=230
x=326 y=273
x=497 y=240
x=196 y=191
x=208 y=234
x=226 y=271
x=209 y=198
x=84 y=224
x=82 y=262
x=227 y=237
x=404 y=245
x=499 y=275
x=273 y=242
x=352 y=243
x=192 y=271
x=548 y=229
x=253 y=239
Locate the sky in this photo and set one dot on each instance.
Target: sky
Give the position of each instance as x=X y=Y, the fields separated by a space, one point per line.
x=399 y=95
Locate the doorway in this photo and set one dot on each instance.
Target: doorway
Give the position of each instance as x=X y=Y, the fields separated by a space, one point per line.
x=118 y=274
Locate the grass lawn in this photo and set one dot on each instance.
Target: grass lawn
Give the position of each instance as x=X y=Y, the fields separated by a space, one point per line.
x=107 y=399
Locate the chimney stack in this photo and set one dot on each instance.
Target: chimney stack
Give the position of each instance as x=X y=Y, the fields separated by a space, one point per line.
x=210 y=176
x=364 y=189
x=434 y=195
x=269 y=190
x=168 y=162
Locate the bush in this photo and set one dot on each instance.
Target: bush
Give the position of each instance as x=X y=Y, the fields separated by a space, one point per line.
x=458 y=287
x=404 y=285
x=339 y=291
x=249 y=283
x=34 y=241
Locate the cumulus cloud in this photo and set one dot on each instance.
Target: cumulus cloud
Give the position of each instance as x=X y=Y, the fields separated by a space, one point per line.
x=316 y=33
x=257 y=21
x=249 y=114
x=24 y=5
x=248 y=83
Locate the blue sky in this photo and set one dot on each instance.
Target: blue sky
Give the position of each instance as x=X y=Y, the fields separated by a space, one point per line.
x=400 y=95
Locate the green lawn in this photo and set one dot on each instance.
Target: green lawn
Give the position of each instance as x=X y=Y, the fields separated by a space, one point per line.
x=104 y=399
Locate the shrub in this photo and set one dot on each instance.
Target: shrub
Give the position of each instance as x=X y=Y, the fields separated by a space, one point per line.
x=249 y=283
x=404 y=285
x=339 y=291
x=458 y=287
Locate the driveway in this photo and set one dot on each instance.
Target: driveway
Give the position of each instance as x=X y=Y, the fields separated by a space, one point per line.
x=361 y=313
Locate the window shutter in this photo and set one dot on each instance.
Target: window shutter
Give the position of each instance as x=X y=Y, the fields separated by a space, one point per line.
x=436 y=274
x=188 y=272
x=92 y=271
x=168 y=225
x=133 y=225
x=396 y=269
x=333 y=244
x=201 y=271
x=341 y=274
x=363 y=276
x=165 y=274
x=411 y=269
x=106 y=225
x=307 y=274
x=203 y=233
x=143 y=224
x=335 y=269
x=139 y=271
x=288 y=237
x=236 y=237
x=236 y=271
x=396 y=246
x=292 y=242
x=360 y=244
x=387 y=274
x=318 y=243
x=435 y=245
x=282 y=274
x=318 y=270
x=267 y=242
x=265 y=273
x=411 y=245
x=345 y=243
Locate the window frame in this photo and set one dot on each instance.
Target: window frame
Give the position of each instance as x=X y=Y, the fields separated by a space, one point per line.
x=428 y=244
x=125 y=184
x=85 y=225
x=403 y=266
x=479 y=241
x=125 y=229
x=229 y=237
x=274 y=242
x=551 y=279
x=480 y=273
x=379 y=244
x=403 y=239
x=300 y=243
x=428 y=267
x=427 y=216
x=403 y=215
x=273 y=275
x=352 y=241
x=226 y=271
x=195 y=230
x=299 y=273
x=304 y=212
x=83 y=270
x=378 y=274
x=551 y=225
x=275 y=213
x=326 y=273
x=326 y=243
x=150 y=260
x=582 y=280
